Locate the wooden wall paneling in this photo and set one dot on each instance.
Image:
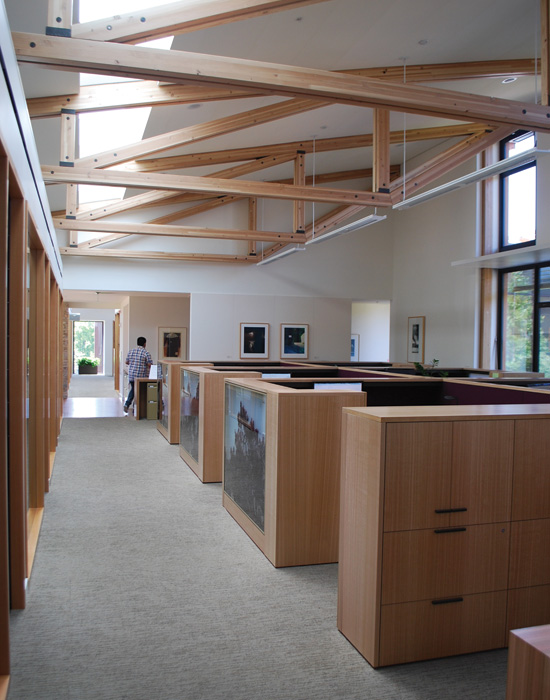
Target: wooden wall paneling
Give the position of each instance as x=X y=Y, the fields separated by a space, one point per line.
x=54 y=368
x=47 y=370
x=37 y=458
x=116 y=350
x=4 y=498
x=17 y=419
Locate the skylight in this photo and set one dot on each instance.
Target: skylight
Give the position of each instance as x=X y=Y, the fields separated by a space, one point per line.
x=101 y=131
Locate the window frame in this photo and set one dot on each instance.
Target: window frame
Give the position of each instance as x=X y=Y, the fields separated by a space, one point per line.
x=537 y=306
x=502 y=245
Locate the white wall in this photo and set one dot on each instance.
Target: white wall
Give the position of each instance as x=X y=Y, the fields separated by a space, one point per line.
x=147 y=314
x=371 y=321
x=216 y=319
x=427 y=239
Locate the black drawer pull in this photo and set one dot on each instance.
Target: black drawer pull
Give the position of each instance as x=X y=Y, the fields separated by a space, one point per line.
x=447 y=600
x=451 y=510
x=450 y=529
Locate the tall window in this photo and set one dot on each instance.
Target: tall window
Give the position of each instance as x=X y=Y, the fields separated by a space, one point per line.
x=518 y=205
x=525 y=319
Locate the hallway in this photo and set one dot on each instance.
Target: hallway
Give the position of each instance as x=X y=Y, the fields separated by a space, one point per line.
x=92 y=396
x=144 y=588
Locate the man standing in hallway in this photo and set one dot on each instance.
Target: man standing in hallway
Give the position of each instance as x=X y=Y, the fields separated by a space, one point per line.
x=139 y=363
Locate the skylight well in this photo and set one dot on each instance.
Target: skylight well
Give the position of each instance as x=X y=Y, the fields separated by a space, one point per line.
x=101 y=131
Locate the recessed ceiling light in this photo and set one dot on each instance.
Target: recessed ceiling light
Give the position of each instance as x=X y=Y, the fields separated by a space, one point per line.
x=511 y=79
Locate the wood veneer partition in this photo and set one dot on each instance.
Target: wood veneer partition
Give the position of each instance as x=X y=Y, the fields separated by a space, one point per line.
x=209 y=463
x=302 y=473
x=168 y=424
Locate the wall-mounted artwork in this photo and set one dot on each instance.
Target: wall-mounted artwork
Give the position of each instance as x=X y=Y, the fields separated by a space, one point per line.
x=172 y=344
x=189 y=413
x=254 y=340
x=415 y=338
x=354 y=355
x=294 y=341
x=244 y=451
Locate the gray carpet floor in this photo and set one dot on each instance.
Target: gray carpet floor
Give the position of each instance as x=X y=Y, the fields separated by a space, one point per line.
x=144 y=588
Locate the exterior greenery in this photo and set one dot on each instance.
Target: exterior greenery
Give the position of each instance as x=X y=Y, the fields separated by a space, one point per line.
x=88 y=362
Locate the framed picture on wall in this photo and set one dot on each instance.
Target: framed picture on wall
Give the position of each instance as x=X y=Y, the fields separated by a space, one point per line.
x=172 y=344
x=354 y=357
x=294 y=341
x=415 y=338
x=254 y=341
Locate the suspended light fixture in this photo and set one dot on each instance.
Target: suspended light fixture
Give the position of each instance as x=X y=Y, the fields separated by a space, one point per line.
x=287 y=250
x=347 y=228
x=494 y=169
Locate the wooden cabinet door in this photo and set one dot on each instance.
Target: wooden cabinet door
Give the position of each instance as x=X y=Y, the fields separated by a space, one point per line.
x=482 y=471
x=447 y=562
x=418 y=475
x=531 y=495
x=530 y=553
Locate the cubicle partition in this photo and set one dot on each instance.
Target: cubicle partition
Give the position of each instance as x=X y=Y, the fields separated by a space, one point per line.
x=282 y=467
x=201 y=419
x=168 y=425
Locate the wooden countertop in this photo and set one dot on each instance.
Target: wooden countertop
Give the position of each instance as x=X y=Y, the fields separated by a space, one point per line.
x=394 y=414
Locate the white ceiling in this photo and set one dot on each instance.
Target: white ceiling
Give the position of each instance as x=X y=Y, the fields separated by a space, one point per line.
x=336 y=35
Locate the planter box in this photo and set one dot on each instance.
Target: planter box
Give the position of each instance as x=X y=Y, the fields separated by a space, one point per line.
x=87 y=369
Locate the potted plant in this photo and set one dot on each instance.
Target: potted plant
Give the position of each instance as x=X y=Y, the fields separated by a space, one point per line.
x=88 y=365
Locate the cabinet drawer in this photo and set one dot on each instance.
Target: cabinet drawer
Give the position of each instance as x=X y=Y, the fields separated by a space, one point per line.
x=152 y=391
x=528 y=607
x=448 y=562
x=530 y=553
x=422 y=630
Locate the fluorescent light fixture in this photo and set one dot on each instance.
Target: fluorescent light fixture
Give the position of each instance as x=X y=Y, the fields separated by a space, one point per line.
x=347 y=228
x=287 y=250
x=490 y=170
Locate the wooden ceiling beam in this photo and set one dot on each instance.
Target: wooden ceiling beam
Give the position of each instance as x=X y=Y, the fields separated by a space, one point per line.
x=321 y=146
x=218 y=186
x=410 y=183
x=155 y=198
x=146 y=93
x=198 y=132
x=156 y=255
x=144 y=229
x=178 y=18
x=341 y=176
x=184 y=67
